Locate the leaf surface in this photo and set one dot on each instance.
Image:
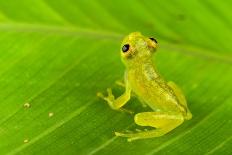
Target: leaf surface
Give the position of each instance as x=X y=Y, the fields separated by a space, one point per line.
x=56 y=55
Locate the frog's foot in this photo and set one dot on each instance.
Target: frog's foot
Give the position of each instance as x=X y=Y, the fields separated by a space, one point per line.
x=112 y=102
x=164 y=122
x=109 y=99
x=139 y=134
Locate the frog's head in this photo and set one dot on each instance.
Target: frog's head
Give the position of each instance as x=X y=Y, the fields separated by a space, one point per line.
x=137 y=48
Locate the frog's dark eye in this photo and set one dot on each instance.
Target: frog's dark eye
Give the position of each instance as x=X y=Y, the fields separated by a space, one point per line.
x=125 y=47
x=153 y=39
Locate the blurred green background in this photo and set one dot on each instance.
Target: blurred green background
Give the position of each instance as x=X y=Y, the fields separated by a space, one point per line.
x=56 y=54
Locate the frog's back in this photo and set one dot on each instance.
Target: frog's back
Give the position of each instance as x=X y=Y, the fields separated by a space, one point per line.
x=152 y=89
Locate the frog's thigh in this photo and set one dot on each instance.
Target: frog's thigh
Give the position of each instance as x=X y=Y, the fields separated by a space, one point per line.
x=178 y=92
x=180 y=97
x=163 y=122
x=160 y=120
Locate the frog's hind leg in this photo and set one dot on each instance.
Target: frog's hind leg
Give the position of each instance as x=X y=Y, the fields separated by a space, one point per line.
x=179 y=94
x=163 y=122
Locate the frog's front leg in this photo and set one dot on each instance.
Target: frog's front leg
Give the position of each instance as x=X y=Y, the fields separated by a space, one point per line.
x=117 y=103
x=164 y=122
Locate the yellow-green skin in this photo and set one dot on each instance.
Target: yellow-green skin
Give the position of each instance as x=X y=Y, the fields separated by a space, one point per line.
x=141 y=77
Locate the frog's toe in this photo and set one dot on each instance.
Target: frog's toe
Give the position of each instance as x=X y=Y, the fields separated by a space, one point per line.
x=126 y=111
x=129 y=134
x=121 y=134
x=109 y=98
x=99 y=94
x=120 y=83
x=110 y=94
x=106 y=98
x=140 y=134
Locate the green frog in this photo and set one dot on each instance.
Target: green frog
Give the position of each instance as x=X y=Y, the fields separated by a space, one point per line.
x=167 y=101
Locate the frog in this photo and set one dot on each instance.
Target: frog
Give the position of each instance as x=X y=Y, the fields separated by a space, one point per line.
x=165 y=99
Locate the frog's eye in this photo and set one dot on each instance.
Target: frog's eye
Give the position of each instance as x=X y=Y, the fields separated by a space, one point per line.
x=125 y=47
x=153 y=39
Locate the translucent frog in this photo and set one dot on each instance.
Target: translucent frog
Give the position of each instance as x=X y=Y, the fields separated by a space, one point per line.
x=168 y=103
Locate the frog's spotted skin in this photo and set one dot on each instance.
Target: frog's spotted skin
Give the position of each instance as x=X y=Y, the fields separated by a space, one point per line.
x=141 y=77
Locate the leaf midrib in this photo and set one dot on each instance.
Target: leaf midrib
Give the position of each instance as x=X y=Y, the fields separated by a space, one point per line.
x=76 y=31
x=61 y=30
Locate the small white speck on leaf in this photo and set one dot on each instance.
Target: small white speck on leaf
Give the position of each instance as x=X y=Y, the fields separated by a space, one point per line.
x=25 y=140
x=27 y=105
x=50 y=114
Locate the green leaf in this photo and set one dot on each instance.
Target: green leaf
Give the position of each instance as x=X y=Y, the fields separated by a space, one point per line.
x=56 y=55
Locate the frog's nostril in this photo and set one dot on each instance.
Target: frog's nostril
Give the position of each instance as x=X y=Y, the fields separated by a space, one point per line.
x=125 y=47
